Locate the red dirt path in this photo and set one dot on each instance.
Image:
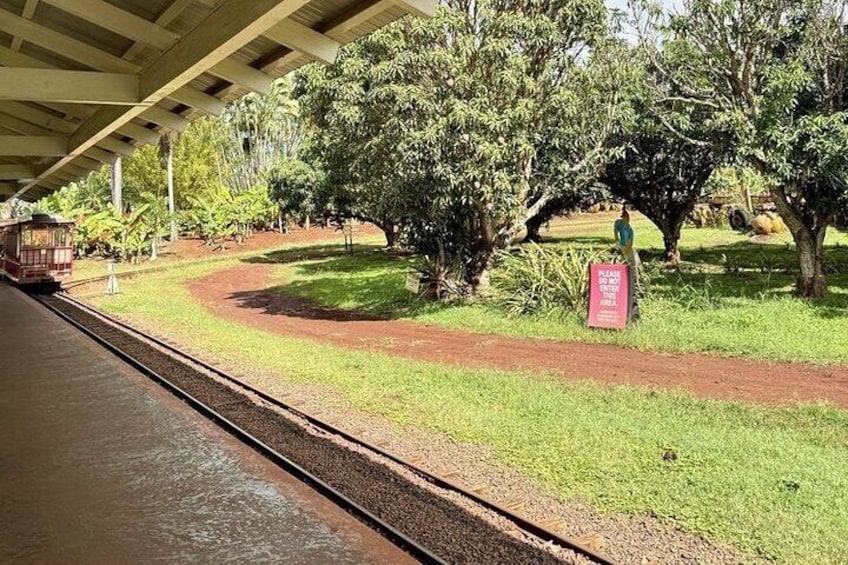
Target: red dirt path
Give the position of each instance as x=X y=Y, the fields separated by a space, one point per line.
x=239 y=294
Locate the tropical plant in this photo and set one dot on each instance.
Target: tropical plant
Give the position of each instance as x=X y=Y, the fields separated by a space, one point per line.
x=211 y=217
x=536 y=279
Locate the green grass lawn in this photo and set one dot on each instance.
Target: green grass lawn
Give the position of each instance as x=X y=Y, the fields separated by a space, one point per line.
x=770 y=481
x=731 y=296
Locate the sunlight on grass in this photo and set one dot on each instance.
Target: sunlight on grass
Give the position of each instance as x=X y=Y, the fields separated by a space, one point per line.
x=701 y=308
x=771 y=481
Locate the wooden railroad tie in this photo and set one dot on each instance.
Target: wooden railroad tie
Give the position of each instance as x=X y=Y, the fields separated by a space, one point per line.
x=514 y=505
x=554 y=524
x=593 y=540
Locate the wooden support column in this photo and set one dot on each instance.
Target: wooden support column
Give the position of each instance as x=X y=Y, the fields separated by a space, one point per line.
x=171 y=205
x=117 y=185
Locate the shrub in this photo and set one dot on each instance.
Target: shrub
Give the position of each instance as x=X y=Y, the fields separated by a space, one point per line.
x=537 y=279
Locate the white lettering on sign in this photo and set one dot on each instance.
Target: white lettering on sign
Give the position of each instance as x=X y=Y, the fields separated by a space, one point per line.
x=609 y=283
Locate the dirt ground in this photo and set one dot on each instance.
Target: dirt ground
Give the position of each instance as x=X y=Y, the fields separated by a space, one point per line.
x=239 y=294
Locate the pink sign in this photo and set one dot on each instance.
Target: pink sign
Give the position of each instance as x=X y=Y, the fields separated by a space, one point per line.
x=608 y=296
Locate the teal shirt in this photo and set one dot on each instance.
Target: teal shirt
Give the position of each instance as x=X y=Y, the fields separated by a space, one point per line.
x=624 y=233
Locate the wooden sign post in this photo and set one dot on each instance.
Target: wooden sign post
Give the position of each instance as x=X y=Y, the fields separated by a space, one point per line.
x=609 y=296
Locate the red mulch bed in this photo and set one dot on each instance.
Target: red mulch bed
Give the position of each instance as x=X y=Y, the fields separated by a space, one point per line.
x=239 y=294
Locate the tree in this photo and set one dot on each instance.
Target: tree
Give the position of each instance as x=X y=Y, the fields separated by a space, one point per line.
x=773 y=72
x=256 y=132
x=469 y=124
x=662 y=176
x=166 y=152
x=348 y=138
x=292 y=187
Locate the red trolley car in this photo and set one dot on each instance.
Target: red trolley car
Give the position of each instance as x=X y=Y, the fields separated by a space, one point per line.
x=37 y=250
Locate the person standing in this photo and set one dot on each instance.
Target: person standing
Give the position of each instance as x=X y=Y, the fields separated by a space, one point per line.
x=625 y=238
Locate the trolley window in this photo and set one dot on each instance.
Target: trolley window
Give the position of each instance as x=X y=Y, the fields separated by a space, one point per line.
x=45 y=237
x=35 y=237
x=61 y=237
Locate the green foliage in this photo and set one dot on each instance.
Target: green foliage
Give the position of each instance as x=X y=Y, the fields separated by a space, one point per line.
x=462 y=127
x=735 y=182
x=772 y=76
x=249 y=209
x=256 y=133
x=210 y=217
x=292 y=186
x=537 y=279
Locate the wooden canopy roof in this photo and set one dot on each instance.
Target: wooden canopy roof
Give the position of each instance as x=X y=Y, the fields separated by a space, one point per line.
x=85 y=81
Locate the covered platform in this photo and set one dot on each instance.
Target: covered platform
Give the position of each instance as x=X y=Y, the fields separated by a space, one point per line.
x=100 y=465
x=83 y=83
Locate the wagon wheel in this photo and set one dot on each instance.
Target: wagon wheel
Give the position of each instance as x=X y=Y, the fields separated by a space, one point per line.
x=739 y=218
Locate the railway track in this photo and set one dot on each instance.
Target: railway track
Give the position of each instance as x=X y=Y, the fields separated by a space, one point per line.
x=429 y=527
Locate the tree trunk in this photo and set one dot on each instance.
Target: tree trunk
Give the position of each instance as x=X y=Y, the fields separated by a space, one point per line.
x=809 y=243
x=306 y=223
x=533 y=226
x=478 y=271
x=671 y=239
x=392 y=232
x=812 y=282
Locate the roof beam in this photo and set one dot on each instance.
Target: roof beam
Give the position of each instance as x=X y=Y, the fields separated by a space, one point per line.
x=153 y=114
x=223 y=32
x=14 y=172
x=12 y=123
x=85 y=54
x=129 y=25
x=116 y=146
x=166 y=119
x=29 y=10
x=33 y=145
x=243 y=75
x=306 y=40
x=421 y=8
x=196 y=99
x=101 y=155
x=231 y=26
x=63 y=45
x=118 y=21
x=53 y=85
x=41 y=118
x=137 y=132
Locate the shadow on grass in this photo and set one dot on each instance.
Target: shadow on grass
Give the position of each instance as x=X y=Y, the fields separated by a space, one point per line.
x=367 y=284
x=287 y=256
x=278 y=301
x=709 y=276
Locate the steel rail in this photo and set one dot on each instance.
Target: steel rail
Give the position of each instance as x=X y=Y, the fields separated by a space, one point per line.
x=388 y=531
x=523 y=523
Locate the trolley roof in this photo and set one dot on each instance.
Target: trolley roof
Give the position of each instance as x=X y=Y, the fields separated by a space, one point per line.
x=42 y=220
x=83 y=82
